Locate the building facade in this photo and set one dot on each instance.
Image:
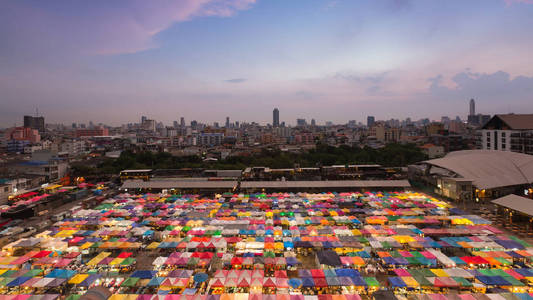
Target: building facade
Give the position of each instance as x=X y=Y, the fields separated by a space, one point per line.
x=510 y=132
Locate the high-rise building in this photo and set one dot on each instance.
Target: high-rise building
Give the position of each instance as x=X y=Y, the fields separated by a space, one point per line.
x=313 y=122
x=143 y=119
x=227 y=122
x=370 y=120
x=472 y=107
x=301 y=122
x=275 y=117
x=34 y=123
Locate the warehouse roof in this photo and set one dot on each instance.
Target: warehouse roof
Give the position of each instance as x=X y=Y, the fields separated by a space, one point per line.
x=178 y=184
x=517 y=203
x=325 y=184
x=204 y=184
x=488 y=168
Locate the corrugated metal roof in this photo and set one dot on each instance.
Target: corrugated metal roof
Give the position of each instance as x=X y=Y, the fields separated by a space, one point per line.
x=521 y=204
x=488 y=168
x=325 y=184
x=178 y=184
x=181 y=184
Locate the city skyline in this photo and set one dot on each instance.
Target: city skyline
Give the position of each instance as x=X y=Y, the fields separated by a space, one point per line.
x=208 y=60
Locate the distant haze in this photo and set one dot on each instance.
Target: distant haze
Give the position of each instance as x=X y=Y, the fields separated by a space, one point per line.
x=113 y=61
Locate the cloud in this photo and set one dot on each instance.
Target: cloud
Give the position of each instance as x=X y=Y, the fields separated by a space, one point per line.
x=496 y=89
x=106 y=27
x=511 y=2
x=236 y=80
x=372 y=78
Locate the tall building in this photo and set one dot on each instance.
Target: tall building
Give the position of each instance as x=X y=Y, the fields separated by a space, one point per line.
x=275 y=117
x=472 y=107
x=313 y=122
x=370 y=120
x=227 y=122
x=34 y=123
x=301 y=122
x=182 y=122
x=143 y=119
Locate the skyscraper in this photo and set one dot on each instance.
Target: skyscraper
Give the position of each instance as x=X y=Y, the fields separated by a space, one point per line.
x=227 y=122
x=182 y=122
x=34 y=122
x=472 y=107
x=275 y=117
x=370 y=120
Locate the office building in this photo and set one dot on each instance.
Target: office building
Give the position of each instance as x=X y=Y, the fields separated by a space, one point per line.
x=34 y=123
x=275 y=117
x=472 y=107
x=370 y=120
x=301 y=122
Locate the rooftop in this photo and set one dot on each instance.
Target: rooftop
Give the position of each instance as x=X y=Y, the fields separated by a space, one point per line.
x=517 y=203
x=488 y=169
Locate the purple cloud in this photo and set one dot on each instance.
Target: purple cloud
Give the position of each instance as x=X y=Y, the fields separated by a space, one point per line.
x=113 y=27
x=511 y=2
x=236 y=80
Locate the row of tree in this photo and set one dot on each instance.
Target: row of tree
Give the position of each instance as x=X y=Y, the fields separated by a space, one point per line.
x=392 y=155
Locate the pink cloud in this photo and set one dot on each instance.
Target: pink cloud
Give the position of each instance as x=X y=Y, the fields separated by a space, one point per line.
x=511 y=2
x=113 y=28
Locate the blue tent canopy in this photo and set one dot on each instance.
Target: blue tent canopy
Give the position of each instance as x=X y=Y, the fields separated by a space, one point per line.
x=389 y=260
x=493 y=280
x=18 y=281
x=345 y=280
x=347 y=272
x=89 y=280
x=292 y=261
x=200 y=277
x=401 y=261
x=156 y=281
x=61 y=273
x=457 y=260
x=288 y=245
x=308 y=282
x=524 y=272
x=143 y=274
x=397 y=282
x=295 y=283
x=509 y=244
x=358 y=281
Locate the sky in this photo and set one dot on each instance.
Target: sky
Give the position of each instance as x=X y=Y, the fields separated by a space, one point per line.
x=331 y=60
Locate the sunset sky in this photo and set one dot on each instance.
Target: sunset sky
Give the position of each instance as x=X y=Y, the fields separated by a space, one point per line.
x=113 y=61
